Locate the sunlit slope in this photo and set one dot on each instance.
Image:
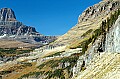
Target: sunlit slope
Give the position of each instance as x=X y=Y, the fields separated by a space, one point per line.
x=103 y=66
x=91 y=18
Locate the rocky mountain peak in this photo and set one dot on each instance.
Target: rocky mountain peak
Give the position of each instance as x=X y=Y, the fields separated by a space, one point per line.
x=12 y=29
x=7 y=14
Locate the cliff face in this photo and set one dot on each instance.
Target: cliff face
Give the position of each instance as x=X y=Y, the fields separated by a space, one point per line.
x=93 y=51
x=99 y=10
x=113 y=38
x=12 y=29
x=10 y=26
x=7 y=14
x=99 y=63
x=103 y=66
x=15 y=28
x=91 y=18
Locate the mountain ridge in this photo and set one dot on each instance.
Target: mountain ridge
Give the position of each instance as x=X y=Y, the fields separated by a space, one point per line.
x=89 y=20
x=12 y=29
x=89 y=50
x=7 y=14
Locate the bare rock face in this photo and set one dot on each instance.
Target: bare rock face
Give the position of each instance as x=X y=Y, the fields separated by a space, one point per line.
x=113 y=38
x=10 y=28
x=25 y=30
x=7 y=14
x=91 y=18
x=103 y=66
x=98 y=10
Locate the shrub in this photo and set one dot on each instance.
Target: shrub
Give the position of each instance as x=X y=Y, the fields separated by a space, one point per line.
x=86 y=33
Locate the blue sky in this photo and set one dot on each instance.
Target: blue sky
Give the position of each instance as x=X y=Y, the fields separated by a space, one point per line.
x=49 y=17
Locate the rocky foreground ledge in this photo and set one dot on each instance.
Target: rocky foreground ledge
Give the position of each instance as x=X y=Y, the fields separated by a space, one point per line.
x=103 y=66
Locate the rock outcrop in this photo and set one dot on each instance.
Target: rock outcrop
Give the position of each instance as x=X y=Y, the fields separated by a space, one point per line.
x=10 y=26
x=113 y=38
x=103 y=66
x=100 y=63
x=91 y=18
x=12 y=29
x=99 y=10
x=7 y=14
x=95 y=56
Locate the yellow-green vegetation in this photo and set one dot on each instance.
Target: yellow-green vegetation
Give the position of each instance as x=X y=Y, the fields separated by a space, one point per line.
x=91 y=35
x=57 y=68
x=55 y=54
x=55 y=63
x=83 y=44
x=18 y=70
x=105 y=66
x=83 y=68
x=13 y=51
x=36 y=74
x=51 y=63
x=15 y=68
x=57 y=73
x=87 y=33
x=5 y=72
